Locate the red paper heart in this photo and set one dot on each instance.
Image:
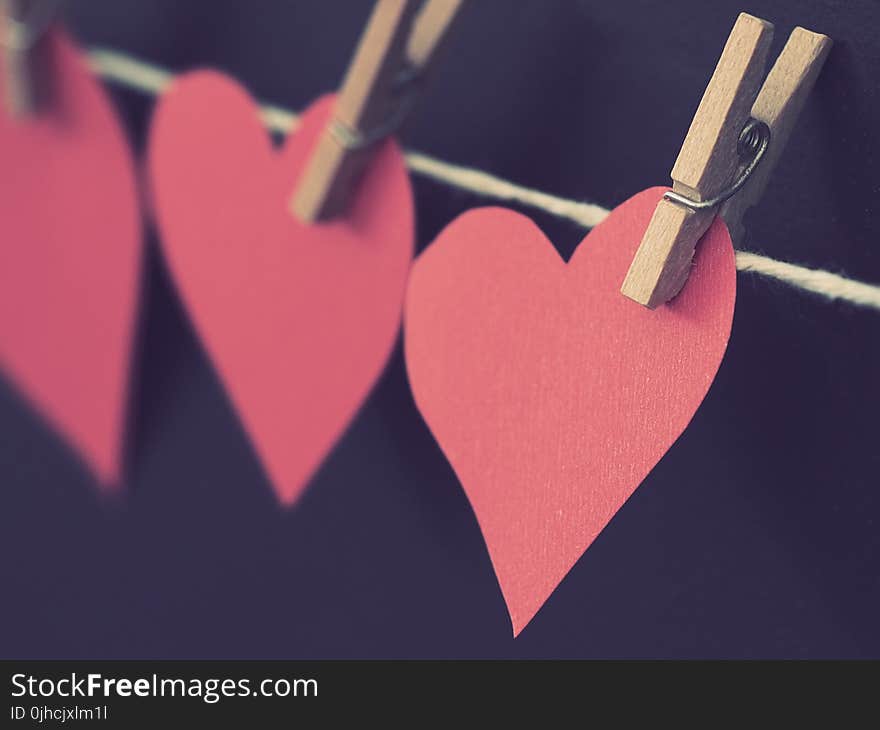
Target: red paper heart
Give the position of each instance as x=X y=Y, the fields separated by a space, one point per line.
x=71 y=259
x=298 y=319
x=551 y=394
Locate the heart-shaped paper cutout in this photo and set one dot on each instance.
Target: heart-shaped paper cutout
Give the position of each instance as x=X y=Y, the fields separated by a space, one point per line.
x=298 y=319
x=70 y=259
x=551 y=394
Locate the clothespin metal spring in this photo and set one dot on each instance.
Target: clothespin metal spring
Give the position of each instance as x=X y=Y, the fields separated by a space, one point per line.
x=379 y=91
x=752 y=144
x=404 y=88
x=737 y=115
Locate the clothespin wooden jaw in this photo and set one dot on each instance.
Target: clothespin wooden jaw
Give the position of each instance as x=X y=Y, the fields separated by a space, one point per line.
x=22 y=24
x=18 y=83
x=379 y=89
x=709 y=160
x=779 y=104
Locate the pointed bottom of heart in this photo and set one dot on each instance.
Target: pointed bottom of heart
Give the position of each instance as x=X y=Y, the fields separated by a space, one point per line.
x=96 y=442
x=526 y=595
x=551 y=394
x=297 y=319
x=71 y=249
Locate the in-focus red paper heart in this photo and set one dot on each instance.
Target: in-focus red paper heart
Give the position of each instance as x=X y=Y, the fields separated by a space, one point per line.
x=551 y=394
x=298 y=319
x=70 y=260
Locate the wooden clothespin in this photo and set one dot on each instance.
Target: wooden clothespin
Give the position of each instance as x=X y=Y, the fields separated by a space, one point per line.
x=24 y=22
x=377 y=95
x=737 y=117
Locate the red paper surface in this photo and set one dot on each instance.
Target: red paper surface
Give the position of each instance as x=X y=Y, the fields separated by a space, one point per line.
x=298 y=319
x=70 y=260
x=551 y=394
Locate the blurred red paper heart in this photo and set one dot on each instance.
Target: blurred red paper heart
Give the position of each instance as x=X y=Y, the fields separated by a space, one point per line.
x=551 y=394
x=70 y=259
x=297 y=319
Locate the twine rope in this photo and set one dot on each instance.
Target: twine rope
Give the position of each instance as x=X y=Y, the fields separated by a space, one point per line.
x=132 y=73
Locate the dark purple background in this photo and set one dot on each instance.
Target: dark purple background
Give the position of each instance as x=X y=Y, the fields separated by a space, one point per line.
x=756 y=536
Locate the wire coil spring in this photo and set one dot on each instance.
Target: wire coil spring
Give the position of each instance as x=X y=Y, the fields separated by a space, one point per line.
x=751 y=145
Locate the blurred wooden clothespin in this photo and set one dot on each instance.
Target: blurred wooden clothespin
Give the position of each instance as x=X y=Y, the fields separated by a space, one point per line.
x=24 y=23
x=734 y=141
x=376 y=97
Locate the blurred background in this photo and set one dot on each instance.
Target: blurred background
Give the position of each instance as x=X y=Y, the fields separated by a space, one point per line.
x=756 y=535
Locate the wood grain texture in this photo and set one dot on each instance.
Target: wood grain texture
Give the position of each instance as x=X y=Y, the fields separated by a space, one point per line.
x=756 y=537
x=779 y=103
x=706 y=164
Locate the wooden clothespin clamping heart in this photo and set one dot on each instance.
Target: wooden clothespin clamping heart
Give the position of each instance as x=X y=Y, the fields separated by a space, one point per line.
x=377 y=95
x=735 y=139
x=24 y=23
